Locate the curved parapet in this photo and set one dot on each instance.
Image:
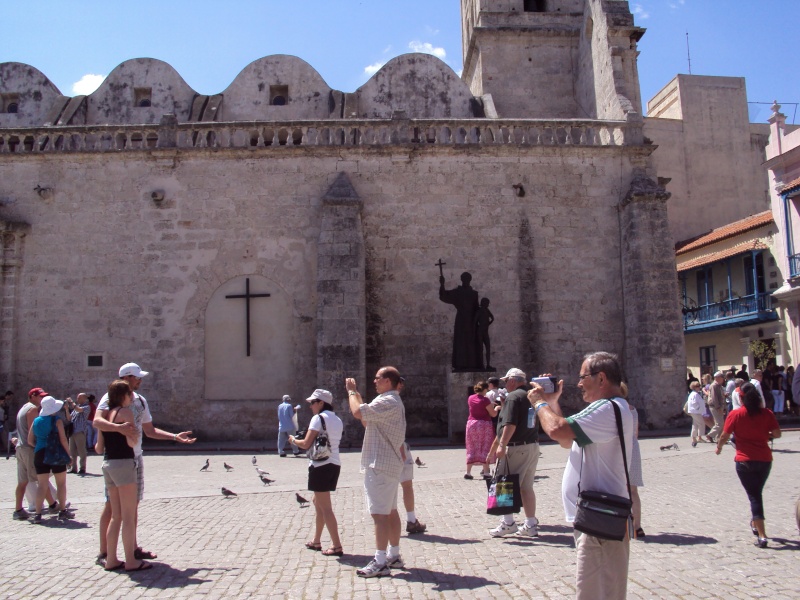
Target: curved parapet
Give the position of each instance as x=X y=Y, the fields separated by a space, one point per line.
x=277 y=88
x=27 y=97
x=140 y=91
x=421 y=85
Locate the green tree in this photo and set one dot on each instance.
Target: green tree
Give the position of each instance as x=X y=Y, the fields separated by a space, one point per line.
x=762 y=352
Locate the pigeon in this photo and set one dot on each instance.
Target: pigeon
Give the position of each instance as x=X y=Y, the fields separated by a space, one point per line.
x=670 y=447
x=266 y=480
x=227 y=493
x=261 y=471
x=227 y=466
x=419 y=462
x=254 y=460
x=301 y=501
x=205 y=466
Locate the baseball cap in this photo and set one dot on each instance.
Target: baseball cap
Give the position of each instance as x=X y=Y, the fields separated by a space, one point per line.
x=37 y=392
x=515 y=373
x=323 y=395
x=132 y=369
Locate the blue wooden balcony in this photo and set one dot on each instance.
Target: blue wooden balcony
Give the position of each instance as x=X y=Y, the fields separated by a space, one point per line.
x=750 y=310
x=794 y=265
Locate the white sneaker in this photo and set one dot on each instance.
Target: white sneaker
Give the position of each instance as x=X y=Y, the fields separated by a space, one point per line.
x=373 y=569
x=503 y=529
x=395 y=563
x=528 y=531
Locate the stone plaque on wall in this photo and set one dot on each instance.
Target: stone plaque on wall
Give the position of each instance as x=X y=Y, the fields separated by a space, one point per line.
x=267 y=373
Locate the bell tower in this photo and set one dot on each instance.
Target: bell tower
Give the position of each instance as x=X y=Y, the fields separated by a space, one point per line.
x=551 y=59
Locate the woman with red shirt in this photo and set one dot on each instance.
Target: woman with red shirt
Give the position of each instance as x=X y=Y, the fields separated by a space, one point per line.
x=753 y=427
x=480 y=433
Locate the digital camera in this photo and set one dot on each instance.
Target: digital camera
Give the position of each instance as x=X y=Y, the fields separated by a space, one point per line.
x=548 y=383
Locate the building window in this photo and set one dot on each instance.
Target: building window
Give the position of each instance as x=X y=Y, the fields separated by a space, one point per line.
x=705 y=287
x=94 y=361
x=708 y=360
x=278 y=95
x=142 y=97
x=534 y=6
x=754 y=284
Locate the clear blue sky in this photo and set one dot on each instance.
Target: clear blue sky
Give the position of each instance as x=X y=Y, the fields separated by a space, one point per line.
x=210 y=41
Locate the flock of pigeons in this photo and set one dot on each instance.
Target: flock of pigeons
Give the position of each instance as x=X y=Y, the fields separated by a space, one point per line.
x=262 y=475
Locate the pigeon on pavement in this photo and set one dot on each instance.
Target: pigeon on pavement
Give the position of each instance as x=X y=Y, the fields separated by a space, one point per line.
x=266 y=480
x=261 y=471
x=227 y=466
x=419 y=462
x=254 y=460
x=301 y=501
x=205 y=466
x=227 y=493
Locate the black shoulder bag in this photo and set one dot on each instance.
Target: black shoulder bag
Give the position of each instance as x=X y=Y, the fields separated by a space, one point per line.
x=321 y=448
x=603 y=515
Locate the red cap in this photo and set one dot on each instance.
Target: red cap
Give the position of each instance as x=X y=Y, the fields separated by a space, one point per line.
x=37 y=392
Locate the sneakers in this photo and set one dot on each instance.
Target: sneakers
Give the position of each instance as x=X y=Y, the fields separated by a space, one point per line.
x=53 y=508
x=63 y=515
x=761 y=542
x=503 y=529
x=37 y=519
x=528 y=531
x=416 y=527
x=395 y=563
x=373 y=569
x=21 y=515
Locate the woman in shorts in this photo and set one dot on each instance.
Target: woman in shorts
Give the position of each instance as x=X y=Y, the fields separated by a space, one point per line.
x=119 y=473
x=37 y=437
x=323 y=475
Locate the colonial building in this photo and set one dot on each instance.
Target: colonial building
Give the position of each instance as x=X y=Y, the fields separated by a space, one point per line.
x=281 y=235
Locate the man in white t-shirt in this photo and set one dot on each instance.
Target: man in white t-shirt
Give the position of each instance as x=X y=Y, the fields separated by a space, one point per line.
x=596 y=462
x=143 y=421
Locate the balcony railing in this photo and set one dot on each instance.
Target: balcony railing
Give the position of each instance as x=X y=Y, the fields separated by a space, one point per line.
x=363 y=132
x=730 y=313
x=794 y=265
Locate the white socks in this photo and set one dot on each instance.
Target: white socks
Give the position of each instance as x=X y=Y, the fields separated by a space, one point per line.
x=411 y=516
x=508 y=519
x=380 y=557
x=394 y=551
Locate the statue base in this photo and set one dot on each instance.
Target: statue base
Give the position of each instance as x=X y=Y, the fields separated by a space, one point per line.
x=459 y=389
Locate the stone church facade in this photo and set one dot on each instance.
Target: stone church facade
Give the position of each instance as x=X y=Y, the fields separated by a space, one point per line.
x=281 y=236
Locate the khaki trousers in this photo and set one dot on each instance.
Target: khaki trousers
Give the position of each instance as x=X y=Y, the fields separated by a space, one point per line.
x=602 y=568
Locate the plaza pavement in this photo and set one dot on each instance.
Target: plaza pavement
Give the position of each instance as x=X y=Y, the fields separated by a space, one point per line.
x=698 y=542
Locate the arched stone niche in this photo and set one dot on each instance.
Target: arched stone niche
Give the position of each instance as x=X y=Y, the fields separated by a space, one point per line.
x=280 y=87
x=140 y=91
x=26 y=95
x=419 y=84
x=268 y=372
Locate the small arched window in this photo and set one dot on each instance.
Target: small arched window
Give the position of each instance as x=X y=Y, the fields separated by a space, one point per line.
x=12 y=107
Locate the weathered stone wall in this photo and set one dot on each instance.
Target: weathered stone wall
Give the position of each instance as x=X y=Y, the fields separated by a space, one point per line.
x=30 y=90
x=108 y=270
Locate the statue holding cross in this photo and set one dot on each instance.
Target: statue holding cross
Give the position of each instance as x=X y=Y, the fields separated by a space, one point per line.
x=467 y=355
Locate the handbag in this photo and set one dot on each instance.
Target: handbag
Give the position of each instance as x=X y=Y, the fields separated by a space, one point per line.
x=54 y=453
x=321 y=448
x=504 y=493
x=605 y=515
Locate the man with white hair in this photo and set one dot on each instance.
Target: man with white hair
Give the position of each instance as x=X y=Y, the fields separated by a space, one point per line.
x=716 y=404
x=143 y=422
x=518 y=451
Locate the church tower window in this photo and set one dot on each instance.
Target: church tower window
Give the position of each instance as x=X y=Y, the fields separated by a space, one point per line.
x=535 y=6
x=142 y=97
x=278 y=95
x=9 y=103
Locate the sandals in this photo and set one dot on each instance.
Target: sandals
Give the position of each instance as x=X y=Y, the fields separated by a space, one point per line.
x=143 y=566
x=639 y=533
x=117 y=567
x=337 y=551
x=314 y=547
x=142 y=554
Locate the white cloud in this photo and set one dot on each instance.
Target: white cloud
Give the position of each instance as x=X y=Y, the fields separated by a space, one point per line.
x=427 y=48
x=373 y=68
x=387 y=49
x=640 y=11
x=87 y=84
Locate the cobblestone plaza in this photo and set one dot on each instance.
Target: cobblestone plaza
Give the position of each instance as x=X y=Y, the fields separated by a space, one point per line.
x=698 y=544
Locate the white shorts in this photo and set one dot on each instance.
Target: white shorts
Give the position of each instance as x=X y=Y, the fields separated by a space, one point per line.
x=381 y=492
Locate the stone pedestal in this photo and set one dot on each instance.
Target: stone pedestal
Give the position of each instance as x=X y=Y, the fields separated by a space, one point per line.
x=459 y=389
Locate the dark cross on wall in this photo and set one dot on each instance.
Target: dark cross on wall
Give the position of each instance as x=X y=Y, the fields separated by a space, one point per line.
x=247 y=295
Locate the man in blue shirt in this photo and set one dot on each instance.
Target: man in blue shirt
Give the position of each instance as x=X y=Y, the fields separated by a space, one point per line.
x=286 y=426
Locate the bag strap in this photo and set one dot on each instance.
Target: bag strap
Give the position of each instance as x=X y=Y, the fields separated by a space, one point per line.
x=323 y=421
x=621 y=436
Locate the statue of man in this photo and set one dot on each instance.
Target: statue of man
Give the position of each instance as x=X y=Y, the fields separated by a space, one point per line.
x=465 y=338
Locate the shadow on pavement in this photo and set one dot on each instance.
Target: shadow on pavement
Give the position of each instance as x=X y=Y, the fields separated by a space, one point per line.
x=441 y=539
x=786 y=451
x=785 y=544
x=164 y=577
x=543 y=540
x=66 y=524
x=677 y=539
x=443 y=581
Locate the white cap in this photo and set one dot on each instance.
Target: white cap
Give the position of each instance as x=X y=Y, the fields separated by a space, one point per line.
x=515 y=373
x=323 y=395
x=132 y=369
